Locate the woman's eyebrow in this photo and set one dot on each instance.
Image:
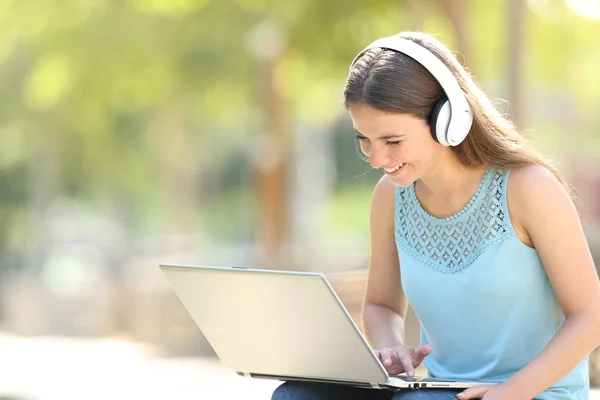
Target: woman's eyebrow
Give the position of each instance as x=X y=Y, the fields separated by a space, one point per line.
x=384 y=137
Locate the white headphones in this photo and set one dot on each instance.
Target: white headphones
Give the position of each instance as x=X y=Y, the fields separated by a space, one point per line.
x=451 y=118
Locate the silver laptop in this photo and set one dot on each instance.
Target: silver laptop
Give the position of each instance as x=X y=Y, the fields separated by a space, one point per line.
x=283 y=325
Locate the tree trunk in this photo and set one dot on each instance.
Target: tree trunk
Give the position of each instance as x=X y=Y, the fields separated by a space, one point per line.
x=176 y=149
x=43 y=190
x=271 y=168
x=457 y=14
x=515 y=59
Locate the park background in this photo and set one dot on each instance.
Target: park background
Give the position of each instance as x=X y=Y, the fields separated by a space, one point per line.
x=212 y=132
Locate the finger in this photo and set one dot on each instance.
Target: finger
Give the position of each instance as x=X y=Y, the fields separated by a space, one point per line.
x=425 y=350
x=396 y=366
x=406 y=361
x=472 y=393
x=422 y=351
x=386 y=356
x=419 y=354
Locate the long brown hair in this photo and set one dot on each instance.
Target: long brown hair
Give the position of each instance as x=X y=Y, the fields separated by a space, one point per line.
x=393 y=82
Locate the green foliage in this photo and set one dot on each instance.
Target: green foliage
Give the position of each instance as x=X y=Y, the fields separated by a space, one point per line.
x=127 y=89
x=348 y=213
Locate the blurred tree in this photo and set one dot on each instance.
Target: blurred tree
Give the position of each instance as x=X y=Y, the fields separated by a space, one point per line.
x=134 y=103
x=515 y=58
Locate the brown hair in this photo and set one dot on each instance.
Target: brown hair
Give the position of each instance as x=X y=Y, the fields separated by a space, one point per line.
x=393 y=82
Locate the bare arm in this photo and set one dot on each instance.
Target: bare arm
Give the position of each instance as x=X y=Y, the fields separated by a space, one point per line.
x=543 y=209
x=550 y=219
x=385 y=305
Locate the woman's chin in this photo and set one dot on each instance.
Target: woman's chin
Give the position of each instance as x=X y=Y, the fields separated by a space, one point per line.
x=402 y=181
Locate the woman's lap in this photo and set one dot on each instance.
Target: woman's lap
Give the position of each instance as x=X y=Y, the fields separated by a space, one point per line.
x=427 y=394
x=293 y=390
x=323 y=391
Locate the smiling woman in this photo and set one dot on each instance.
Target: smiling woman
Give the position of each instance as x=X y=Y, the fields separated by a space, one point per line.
x=396 y=143
x=474 y=229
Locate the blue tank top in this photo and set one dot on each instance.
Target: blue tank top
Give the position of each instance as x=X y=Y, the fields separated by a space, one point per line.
x=483 y=298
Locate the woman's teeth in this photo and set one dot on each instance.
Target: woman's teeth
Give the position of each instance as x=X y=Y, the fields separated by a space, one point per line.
x=396 y=168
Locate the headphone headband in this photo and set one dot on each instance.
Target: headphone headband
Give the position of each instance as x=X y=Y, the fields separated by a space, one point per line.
x=461 y=117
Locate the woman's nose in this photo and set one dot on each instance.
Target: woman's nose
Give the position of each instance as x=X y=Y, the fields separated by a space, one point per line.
x=378 y=158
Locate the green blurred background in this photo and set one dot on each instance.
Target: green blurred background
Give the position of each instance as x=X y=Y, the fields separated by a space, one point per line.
x=135 y=132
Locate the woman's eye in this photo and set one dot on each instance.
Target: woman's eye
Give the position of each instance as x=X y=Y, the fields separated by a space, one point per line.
x=361 y=138
x=395 y=143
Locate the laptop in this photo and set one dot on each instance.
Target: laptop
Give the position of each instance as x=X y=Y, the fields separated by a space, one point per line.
x=283 y=325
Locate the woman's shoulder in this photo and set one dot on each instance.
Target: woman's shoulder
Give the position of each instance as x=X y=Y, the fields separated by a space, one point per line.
x=532 y=183
x=384 y=192
x=532 y=192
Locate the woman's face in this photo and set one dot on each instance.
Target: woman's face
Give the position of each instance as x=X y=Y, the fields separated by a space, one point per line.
x=400 y=144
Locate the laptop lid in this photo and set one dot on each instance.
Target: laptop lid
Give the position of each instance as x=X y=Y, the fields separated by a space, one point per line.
x=275 y=323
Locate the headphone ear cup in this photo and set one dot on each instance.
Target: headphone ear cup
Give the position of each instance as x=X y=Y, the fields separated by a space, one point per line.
x=439 y=119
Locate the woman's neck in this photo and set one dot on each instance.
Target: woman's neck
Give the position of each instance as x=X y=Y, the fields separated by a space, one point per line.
x=449 y=178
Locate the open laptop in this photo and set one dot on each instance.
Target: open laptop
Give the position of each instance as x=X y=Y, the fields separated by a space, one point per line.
x=283 y=325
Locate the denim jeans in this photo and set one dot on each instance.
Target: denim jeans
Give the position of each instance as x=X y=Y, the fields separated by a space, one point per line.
x=293 y=390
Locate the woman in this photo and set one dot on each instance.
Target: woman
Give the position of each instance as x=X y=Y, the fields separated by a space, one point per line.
x=474 y=229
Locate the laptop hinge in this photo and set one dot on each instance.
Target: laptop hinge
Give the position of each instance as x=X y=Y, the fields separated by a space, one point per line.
x=247 y=374
x=375 y=385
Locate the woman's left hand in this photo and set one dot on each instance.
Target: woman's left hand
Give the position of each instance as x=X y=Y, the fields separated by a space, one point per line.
x=490 y=392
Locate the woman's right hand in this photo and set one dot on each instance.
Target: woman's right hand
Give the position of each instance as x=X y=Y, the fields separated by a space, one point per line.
x=399 y=359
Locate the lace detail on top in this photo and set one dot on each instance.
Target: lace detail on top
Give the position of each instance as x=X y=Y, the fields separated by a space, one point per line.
x=452 y=243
